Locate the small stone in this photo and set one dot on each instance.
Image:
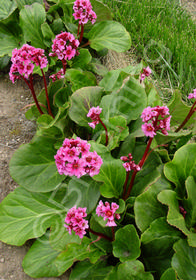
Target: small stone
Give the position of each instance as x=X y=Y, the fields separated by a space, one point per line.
x=2 y=260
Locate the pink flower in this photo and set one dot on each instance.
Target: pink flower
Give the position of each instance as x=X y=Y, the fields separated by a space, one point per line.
x=24 y=60
x=57 y=76
x=108 y=212
x=75 y=221
x=145 y=73
x=74 y=159
x=156 y=118
x=83 y=11
x=192 y=95
x=65 y=46
x=94 y=114
x=129 y=163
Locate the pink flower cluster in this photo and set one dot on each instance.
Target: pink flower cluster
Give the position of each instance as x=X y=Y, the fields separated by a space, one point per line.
x=153 y=123
x=145 y=73
x=57 y=76
x=129 y=163
x=75 y=221
x=192 y=95
x=83 y=11
x=94 y=113
x=24 y=60
x=74 y=158
x=65 y=46
x=108 y=212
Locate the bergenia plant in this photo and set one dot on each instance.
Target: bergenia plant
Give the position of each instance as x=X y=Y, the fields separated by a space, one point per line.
x=108 y=184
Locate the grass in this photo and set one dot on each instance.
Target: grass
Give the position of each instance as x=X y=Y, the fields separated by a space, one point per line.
x=164 y=36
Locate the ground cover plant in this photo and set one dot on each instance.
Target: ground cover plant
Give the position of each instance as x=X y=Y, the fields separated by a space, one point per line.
x=107 y=184
x=164 y=35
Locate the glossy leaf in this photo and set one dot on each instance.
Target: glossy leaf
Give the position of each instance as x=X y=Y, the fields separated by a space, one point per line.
x=174 y=217
x=102 y=11
x=127 y=244
x=111 y=35
x=31 y=19
x=112 y=174
x=77 y=252
x=189 y=203
x=179 y=110
x=6 y=8
x=169 y=274
x=25 y=215
x=33 y=166
x=40 y=259
x=128 y=102
x=82 y=59
x=157 y=242
x=184 y=261
x=22 y=3
x=80 y=79
x=88 y=271
x=81 y=102
x=182 y=166
x=131 y=270
x=147 y=208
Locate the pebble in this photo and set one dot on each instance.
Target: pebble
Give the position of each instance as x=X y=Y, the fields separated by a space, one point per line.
x=2 y=260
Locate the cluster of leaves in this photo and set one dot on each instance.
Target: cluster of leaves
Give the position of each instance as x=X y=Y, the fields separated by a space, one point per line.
x=153 y=240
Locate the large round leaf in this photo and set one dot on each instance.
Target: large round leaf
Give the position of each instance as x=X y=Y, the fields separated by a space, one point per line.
x=25 y=215
x=184 y=261
x=81 y=102
x=111 y=35
x=33 y=167
x=31 y=19
x=6 y=8
x=181 y=167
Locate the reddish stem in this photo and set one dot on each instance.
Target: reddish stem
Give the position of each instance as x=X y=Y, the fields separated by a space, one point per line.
x=46 y=91
x=101 y=235
x=106 y=131
x=78 y=29
x=86 y=44
x=81 y=33
x=187 y=117
x=141 y=163
x=33 y=92
x=64 y=66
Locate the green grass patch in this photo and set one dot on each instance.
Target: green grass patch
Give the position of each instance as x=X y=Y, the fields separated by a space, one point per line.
x=164 y=35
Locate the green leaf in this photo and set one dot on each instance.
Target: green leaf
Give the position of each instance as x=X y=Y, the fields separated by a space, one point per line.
x=157 y=242
x=102 y=11
x=153 y=96
x=82 y=59
x=31 y=19
x=147 y=208
x=111 y=35
x=132 y=270
x=172 y=136
x=22 y=3
x=82 y=192
x=81 y=102
x=127 y=244
x=10 y=38
x=33 y=167
x=87 y=271
x=189 y=203
x=25 y=215
x=182 y=166
x=129 y=101
x=6 y=8
x=184 y=261
x=179 y=110
x=149 y=173
x=47 y=34
x=174 y=217
x=169 y=274
x=80 y=79
x=112 y=174
x=117 y=131
x=97 y=68
x=113 y=80
x=40 y=259
x=77 y=252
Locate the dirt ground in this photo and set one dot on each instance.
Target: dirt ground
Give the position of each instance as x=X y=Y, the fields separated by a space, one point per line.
x=14 y=131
